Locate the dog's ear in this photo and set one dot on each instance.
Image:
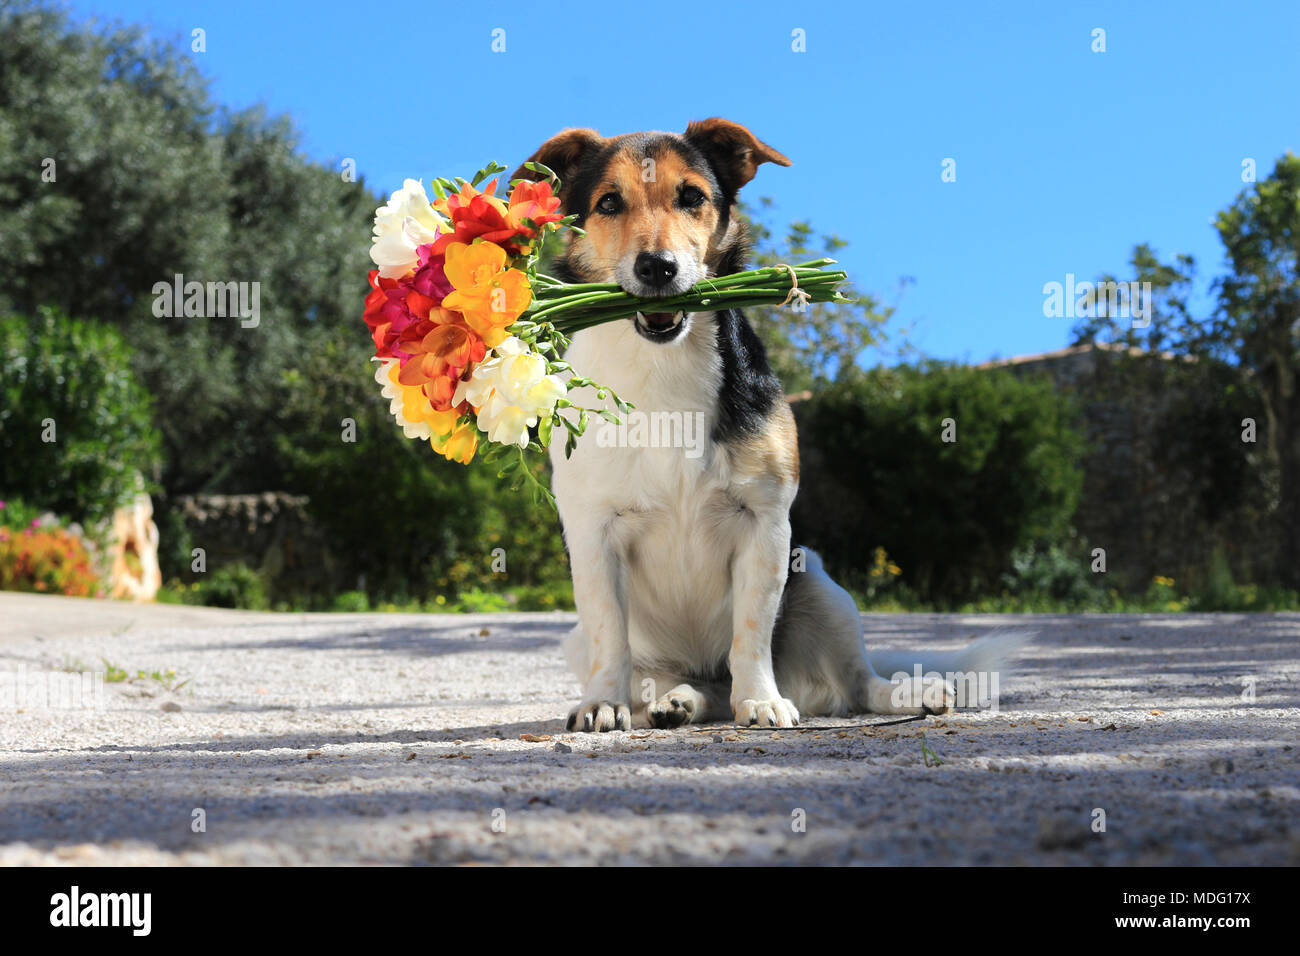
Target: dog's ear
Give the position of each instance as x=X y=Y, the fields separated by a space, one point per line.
x=734 y=152
x=562 y=154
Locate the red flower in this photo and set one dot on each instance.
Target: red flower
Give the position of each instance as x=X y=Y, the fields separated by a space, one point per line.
x=474 y=214
x=394 y=311
x=533 y=203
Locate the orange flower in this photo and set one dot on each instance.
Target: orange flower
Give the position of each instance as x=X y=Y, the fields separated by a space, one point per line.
x=439 y=361
x=489 y=296
x=475 y=215
x=533 y=206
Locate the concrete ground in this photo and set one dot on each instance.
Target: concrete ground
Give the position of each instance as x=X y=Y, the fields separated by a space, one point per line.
x=371 y=738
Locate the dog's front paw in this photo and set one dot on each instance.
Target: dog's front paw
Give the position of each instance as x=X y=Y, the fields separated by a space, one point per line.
x=777 y=712
x=673 y=709
x=599 y=715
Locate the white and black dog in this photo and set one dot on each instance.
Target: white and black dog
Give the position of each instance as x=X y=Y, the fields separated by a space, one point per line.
x=681 y=562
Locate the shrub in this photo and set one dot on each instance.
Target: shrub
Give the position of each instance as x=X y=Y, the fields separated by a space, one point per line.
x=45 y=558
x=1054 y=577
x=352 y=601
x=75 y=426
x=232 y=585
x=877 y=468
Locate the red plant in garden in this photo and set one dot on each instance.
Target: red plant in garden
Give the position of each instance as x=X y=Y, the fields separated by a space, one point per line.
x=47 y=560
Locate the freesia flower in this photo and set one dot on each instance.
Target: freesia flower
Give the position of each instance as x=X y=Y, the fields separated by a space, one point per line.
x=459 y=445
x=489 y=296
x=410 y=407
x=511 y=392
x=533 y=206
x=438 y=362
x=386 y=313
x=401 y=312
x=475 y=215
x=402 y=225
x=430 y=279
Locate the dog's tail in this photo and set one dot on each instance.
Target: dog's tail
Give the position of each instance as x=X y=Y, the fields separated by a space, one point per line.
x=981 y=664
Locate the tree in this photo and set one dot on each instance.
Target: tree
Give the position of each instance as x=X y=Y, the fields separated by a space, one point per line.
x=117 y=172
x=1169 y=323
x=1255 y=328
x=76 y=430
x=1258 y=322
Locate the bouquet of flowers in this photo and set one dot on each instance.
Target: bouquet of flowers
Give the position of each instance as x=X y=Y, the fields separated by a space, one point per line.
x=469 y=334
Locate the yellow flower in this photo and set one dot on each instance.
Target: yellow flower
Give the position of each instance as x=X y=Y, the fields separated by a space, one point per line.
x=410 y=406
x=489 y=296
x=459 y=444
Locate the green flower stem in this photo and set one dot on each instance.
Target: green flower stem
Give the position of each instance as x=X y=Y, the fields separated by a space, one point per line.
x=569 y=309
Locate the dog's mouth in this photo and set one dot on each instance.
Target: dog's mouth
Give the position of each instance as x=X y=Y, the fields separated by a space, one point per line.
x=660 y=326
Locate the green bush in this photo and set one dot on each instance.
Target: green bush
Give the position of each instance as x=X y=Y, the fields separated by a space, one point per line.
x=75 y=426
x=1057 y=577
x=950 y=514
x=351 y=601
x=232 y=585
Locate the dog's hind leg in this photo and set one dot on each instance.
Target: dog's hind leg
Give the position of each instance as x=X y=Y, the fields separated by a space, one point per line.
x=686 y=701
x=822 y=663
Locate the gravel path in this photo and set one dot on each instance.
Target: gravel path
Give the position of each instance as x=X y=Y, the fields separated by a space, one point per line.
x=369 y=738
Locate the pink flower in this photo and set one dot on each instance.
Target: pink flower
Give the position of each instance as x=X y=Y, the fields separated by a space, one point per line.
x=429 y=278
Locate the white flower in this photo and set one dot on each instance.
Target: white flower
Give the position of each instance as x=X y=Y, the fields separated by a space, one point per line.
x=404 y=223
x=511 y=391
x=384 y=376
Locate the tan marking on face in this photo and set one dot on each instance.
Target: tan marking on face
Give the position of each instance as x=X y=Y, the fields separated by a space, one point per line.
x=651 y=220
x=774 y=451
x=751 y=624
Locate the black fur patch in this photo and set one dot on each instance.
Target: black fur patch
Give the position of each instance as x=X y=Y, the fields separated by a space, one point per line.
x=750 y=389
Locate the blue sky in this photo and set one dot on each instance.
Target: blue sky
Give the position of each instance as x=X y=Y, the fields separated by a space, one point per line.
x=1065 y=158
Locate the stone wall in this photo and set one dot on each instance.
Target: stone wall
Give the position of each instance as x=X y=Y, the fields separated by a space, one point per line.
x=1169 y=487
x=271 y=532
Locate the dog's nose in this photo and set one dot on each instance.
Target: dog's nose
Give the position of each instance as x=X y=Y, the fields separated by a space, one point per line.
x=655 y=269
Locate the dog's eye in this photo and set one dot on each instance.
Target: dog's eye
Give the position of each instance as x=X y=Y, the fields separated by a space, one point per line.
x=690 y=197
x=611 y=204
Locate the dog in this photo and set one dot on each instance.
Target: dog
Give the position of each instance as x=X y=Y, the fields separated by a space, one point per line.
x=689 y=610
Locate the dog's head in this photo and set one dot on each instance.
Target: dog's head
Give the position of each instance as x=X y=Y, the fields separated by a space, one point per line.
x=656 y=207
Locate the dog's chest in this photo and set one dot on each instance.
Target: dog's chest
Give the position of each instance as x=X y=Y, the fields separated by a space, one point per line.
x=661 y=454
x=657 y=487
